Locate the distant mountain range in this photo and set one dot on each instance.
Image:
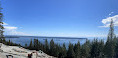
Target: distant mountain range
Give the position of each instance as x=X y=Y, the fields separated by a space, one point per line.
x=17 y=36
x=11 y=36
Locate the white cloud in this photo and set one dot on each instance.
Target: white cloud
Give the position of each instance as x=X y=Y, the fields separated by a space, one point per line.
x=107 y=21
x=11 y=30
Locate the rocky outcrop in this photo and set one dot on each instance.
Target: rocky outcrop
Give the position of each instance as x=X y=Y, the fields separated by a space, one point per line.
x=19 y=52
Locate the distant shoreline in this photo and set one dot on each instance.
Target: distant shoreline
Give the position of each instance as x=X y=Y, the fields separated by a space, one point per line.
x=9 y=36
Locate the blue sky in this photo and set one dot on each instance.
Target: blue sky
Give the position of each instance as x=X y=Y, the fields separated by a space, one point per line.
x=73 y=18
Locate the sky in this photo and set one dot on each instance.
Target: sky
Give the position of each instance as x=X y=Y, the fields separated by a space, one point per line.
x=65 y=18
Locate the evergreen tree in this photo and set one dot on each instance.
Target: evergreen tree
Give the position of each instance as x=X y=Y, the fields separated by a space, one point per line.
x=36 y=44
x=85 y=49
x=52 y=47
x=4 y=41
x=77 y=50
x=97 y=49
x=109 y=49
x=63 y=51
x=46 y=46
x=40 y=46
x=101 y=49
x=1 y=24
x=9 y=42
x=70 y=52
x=56 y=50
x=0 y=40
x=31 y=45
x=111 y=34
x=116 y=49
x=25 y=45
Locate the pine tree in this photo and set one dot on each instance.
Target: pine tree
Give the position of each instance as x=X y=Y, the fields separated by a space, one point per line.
x=111 y=34
x=101 y=49
x=85 y=49
x=116 y=49
x=56 y=50
x=9 y=42
x=1 y=24
x=40 y=46
x=70 y=52
x=97 y=49
x=31 y=45
x=77 y=50
x=46 y=46
x=36 y=44
x=109 y=49
x=52 y=47
x=63 y=51
x=25 y=45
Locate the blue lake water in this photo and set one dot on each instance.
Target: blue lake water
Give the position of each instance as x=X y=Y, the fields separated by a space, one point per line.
x=26 y=40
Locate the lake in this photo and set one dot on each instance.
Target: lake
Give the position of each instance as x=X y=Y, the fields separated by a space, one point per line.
x=59 y=40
